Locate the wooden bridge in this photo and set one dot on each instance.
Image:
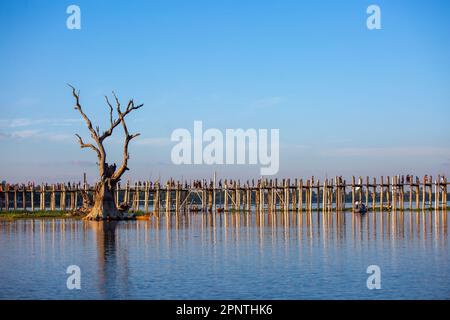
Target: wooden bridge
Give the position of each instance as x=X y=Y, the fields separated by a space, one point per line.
x=387 y=193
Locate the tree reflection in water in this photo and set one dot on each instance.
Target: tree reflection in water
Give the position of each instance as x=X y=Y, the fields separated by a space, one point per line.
x=110 y=254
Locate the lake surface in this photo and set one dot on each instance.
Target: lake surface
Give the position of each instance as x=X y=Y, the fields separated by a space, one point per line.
x=229 y=256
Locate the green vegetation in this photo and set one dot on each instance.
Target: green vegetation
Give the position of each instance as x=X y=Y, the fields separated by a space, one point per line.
x=138 y=213
x=20 y=214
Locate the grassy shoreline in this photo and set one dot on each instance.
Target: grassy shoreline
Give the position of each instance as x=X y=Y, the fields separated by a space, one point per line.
x=21 y=214
x=42 y=214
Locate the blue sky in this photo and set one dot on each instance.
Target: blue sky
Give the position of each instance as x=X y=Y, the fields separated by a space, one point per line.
x=347 y=100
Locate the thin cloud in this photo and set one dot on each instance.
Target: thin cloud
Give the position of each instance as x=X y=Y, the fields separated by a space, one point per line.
x=59 y=136
x=23 y=134
x=70 y=163
x=35 y=135
x=152 y=141
x=28 y=122
x=388 y=152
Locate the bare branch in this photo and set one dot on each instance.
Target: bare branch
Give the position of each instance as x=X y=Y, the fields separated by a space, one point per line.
x=128 y=138
x=99 y=149
x=110 y=111
x=117 y=101
x=105 y=170
x=131 y=107
x=115 y=123
x=88 y=145
x=85 y=117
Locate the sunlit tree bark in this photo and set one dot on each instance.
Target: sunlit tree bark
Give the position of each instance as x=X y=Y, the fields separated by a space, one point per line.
x=105 y=207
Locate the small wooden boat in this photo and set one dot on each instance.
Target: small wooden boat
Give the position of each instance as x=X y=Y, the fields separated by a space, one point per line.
x=195 y=208
x=144 y=217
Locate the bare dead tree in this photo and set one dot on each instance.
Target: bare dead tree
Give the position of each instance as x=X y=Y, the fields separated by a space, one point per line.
x=105 y=207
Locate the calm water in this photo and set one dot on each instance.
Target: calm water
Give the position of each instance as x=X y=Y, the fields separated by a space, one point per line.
x=229 y=256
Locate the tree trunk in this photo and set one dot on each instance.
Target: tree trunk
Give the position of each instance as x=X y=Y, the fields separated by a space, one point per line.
x=105 y=207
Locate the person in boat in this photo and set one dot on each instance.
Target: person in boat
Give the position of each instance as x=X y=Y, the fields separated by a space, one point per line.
x=360 y=207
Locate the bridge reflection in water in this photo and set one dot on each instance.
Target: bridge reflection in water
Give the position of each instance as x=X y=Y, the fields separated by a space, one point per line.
x=229 y=255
